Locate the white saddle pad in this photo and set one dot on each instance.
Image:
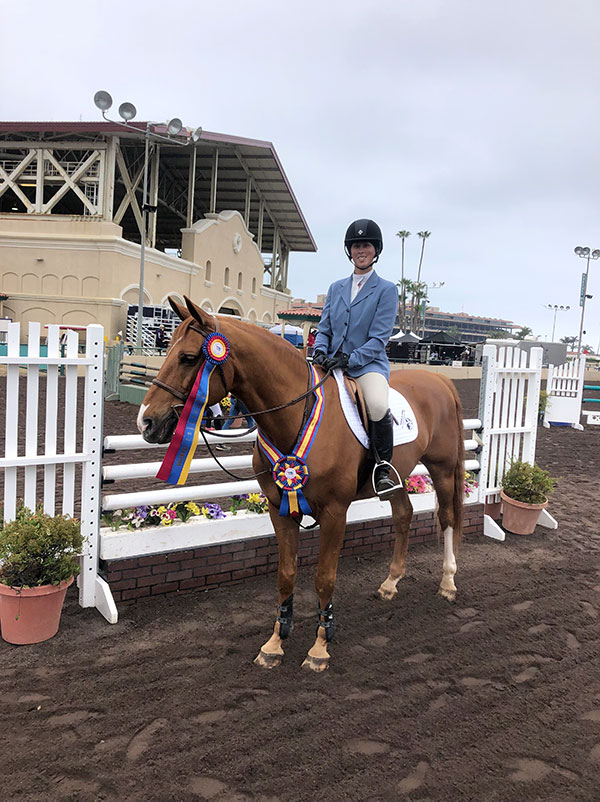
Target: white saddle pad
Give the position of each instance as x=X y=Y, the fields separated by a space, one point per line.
x=406 y=428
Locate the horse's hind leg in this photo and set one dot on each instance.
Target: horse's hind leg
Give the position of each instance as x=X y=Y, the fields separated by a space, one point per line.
x=402 y=512
x=444 y=484
x=286 y=529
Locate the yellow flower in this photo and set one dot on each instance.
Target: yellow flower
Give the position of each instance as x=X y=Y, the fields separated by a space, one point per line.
x=193 y=508
x=162 y=509
x=254 y=498
x=205 y=512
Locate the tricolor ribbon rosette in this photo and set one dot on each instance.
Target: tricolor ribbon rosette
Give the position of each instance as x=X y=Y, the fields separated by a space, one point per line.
x=290 y=472
x=176 y=464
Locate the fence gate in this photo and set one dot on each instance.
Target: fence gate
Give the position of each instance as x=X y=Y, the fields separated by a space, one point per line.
x=54 y=448
x=508 y=409
x=565 y=393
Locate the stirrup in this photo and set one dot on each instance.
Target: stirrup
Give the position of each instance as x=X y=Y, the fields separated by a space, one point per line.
x=393 y=489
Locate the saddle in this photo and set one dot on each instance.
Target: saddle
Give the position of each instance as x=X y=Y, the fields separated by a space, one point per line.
x=356 y=393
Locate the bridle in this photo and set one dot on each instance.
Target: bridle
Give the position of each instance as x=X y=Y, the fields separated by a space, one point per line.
x=182 y=396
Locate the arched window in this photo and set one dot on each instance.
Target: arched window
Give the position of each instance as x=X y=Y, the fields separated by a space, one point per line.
x=226 y=281
x=240 y=279
x=208 y=271
x=254 y=286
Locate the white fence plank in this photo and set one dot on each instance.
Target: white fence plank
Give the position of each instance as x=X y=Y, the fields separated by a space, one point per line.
x=70 y=423
x=11 y=438
x=31 y=416
x=51 y=429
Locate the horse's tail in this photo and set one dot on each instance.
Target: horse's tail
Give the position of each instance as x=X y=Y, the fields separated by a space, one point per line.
x=459 y=472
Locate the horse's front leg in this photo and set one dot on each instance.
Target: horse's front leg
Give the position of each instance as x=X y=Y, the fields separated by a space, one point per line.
x=333 y=528
x=286 y=530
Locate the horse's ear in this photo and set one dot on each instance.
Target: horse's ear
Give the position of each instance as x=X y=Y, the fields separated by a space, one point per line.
x=203 y=318
x=179 y=310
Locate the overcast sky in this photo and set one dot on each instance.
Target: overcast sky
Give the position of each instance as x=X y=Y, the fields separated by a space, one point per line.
x=477 y=121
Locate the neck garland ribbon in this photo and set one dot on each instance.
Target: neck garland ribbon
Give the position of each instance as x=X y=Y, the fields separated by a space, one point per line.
x=176 y=464
x=290 y=473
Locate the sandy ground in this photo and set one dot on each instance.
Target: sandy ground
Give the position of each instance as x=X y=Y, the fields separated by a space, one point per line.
x=495 y=698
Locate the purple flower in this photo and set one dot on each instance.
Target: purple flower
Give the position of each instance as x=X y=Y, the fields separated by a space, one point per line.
x=215 y=510
x=142 y=511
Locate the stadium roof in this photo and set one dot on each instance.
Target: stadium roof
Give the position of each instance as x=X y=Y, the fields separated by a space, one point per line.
x=239 y=158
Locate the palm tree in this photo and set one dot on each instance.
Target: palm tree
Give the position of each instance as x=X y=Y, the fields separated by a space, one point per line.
x=424 y=235
x=523 y=332
x=402 y=315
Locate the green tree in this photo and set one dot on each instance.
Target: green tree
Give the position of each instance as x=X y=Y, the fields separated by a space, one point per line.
x=402 y=310
x=454 y=332
x=568 y=341
x=523 y=332
x=420 y=288
x=499 y=335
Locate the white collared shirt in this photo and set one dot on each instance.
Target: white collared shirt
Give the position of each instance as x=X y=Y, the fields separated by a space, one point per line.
x=358 y=282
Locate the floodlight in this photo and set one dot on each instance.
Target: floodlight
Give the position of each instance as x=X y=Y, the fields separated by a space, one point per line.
x=174 y=126
x=596 y=253
x=103 y=100
x=197 y=133
x=579 y=250
x=585 y=251
x=127 y=111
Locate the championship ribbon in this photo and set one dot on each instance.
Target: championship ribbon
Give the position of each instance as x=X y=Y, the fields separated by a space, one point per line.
x=176 y=464
x=290 y=473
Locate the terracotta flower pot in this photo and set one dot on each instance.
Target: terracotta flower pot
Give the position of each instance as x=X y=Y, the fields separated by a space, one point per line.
x=31 y=615
x=518 y=517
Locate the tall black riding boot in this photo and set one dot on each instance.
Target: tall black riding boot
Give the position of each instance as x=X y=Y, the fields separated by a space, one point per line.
x=382 y=444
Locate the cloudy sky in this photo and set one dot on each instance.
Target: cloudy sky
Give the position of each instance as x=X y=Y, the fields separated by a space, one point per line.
x=477 y=121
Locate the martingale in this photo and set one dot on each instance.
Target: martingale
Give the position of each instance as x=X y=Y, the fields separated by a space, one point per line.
x=176 y=464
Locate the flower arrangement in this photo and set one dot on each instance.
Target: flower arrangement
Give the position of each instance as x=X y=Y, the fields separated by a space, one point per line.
x=423 y=484
x=165 y=515
x=225 y=403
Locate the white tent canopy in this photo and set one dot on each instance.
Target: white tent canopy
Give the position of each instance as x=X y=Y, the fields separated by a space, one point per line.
x=289 y=329
x=409 y=337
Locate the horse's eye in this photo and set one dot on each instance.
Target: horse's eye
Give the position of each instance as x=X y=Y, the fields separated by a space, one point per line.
x=188 y=359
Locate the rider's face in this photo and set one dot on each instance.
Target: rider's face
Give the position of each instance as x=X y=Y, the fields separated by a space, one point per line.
x=362 y=254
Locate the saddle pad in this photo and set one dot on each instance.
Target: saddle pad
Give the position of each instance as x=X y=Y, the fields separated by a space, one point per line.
x=406 y=428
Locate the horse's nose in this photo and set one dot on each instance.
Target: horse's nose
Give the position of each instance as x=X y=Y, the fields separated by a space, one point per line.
x=144 y=423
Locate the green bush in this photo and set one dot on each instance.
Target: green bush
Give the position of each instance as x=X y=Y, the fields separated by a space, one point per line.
x=37 y=549
x=527 y=483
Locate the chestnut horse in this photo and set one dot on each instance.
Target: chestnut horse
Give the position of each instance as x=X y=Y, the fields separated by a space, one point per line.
x=265 y=371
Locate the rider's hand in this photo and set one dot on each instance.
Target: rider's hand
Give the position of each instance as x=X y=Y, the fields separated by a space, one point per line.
x=319 y=358
x=337 y=361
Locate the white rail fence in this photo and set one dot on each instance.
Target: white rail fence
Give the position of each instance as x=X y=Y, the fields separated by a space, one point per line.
x=565 y=394
x=50 y=443
x=505 y=430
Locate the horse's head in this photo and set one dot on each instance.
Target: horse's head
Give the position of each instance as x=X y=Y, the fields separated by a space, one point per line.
x=164 y=401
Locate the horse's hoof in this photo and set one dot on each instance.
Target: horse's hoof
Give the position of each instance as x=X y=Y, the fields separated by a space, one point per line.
x=316 y=663
x=449 y=595
x=387 y=593
x=268 y=660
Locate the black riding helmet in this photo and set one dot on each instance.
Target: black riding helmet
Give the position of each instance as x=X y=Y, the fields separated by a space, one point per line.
x=364 y=231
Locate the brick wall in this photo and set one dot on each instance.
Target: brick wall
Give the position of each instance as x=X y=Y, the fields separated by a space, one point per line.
x=230 y=563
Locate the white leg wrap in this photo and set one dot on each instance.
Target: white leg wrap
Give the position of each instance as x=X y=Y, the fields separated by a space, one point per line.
x=449 y=568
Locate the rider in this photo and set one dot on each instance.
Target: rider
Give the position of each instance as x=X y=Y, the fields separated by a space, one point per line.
x=356 y=323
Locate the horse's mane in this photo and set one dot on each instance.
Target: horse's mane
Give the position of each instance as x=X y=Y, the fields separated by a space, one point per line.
x=277 y=345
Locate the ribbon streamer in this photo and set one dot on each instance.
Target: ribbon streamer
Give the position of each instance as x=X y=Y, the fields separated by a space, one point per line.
x=176 y=464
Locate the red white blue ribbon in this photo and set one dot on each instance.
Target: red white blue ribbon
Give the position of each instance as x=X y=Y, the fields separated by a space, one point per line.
x=290 y=472
x=176 y=464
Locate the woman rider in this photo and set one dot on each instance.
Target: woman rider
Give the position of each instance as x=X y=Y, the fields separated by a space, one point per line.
x=356 y=323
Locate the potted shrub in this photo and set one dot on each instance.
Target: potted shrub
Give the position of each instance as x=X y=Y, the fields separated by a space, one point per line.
x=525 y=491
x=39 y=558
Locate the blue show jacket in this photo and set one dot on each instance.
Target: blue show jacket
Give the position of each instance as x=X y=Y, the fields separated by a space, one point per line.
x=362 y=328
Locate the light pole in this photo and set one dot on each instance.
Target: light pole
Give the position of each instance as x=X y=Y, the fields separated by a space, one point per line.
x=584 y=253
x=127 y=112
x=556 y=308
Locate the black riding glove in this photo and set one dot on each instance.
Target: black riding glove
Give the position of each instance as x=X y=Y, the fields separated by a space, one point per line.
x=337 y=361
x=319 y=358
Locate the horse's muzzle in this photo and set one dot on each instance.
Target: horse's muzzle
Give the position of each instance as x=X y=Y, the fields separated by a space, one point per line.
x=158 y=430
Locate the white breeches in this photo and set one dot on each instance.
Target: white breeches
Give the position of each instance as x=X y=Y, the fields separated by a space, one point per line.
x=375 y=389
